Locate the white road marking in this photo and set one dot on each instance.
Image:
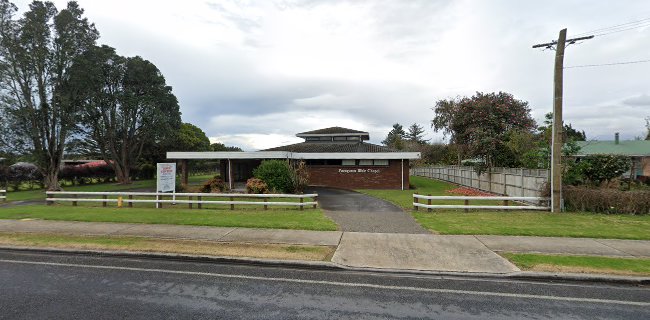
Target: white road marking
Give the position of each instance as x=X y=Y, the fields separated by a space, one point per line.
x=341 y=284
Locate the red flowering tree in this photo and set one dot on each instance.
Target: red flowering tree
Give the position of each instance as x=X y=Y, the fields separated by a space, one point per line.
x=480 y=125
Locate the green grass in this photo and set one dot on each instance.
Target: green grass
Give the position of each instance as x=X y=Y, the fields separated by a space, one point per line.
x=579 y=225
x=50 y=239
x=404 y=198
x=310 y=219
x=543 y=262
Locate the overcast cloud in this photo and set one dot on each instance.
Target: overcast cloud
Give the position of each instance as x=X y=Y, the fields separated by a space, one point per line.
x=254 y=73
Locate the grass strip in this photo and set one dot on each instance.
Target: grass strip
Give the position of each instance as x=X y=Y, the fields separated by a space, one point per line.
x=135 y=244
x=580 y=264
x=309 y=219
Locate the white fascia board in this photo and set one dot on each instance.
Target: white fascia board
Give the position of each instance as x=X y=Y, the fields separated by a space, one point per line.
x=357 y=155
x=229 y=155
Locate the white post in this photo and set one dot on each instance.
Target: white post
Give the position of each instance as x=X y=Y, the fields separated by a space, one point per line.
x=230 y=175
x=402 y=174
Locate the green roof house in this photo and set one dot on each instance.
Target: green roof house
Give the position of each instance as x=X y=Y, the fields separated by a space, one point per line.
x=638 y=150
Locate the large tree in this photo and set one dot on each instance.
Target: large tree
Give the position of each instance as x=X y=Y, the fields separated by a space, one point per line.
x=481 y=124
x=36 y=52
x=191 y=138
x=125 y=103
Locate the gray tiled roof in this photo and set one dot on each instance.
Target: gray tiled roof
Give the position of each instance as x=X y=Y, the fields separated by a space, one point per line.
x=316 y=147
x=333 y=130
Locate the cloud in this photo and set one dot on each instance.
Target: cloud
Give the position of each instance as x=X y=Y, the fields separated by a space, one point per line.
x=255 y=73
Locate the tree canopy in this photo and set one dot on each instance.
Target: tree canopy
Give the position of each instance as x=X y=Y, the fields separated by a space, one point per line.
x=395 y=138
x=415 y=134
x=124 y=103
x=191 y=138
x=36 y=53
x=481 y=124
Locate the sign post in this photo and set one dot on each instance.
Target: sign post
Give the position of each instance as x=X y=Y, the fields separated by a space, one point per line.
x=166 y=179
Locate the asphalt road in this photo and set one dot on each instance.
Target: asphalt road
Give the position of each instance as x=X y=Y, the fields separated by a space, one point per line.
x=64 y=286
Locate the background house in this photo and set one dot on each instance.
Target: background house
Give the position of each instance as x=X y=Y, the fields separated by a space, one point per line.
x=637 y=150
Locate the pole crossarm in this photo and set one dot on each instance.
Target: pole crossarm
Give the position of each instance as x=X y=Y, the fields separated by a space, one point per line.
x=569 y=41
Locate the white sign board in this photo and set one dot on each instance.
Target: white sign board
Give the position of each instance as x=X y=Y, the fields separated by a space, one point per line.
x=166 y=181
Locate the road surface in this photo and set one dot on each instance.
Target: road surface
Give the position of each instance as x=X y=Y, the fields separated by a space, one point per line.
x=65 y=286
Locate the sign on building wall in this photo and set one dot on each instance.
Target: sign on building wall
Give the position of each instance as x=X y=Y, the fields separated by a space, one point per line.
x=166 y=181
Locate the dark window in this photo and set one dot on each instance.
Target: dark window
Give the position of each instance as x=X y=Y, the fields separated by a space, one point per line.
x=324 y=162
x=353 y=138
x=339 y=138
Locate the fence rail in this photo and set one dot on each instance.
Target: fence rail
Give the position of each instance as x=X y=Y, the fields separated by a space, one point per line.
x=3 y=195
x=506 y=202
x=129 y=198
x=516 y=182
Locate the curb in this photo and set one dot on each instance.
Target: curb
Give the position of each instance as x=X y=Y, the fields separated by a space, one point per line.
x=331 y=266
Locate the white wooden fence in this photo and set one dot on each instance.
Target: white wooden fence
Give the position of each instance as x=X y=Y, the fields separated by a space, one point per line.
x=506 y=203
x=182 y=198
x=516 y=182
x=3 y=195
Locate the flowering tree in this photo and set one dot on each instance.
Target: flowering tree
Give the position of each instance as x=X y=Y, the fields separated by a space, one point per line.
x=481 y=124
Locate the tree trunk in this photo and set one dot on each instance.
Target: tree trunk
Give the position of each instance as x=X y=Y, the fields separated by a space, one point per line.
x=51 y=179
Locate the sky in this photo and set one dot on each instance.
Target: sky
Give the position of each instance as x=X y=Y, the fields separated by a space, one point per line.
x=255 y=73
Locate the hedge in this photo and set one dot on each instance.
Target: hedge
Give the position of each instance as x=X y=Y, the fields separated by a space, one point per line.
x=605 y=200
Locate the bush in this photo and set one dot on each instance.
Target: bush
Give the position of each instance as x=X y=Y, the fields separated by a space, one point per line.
x=606 y=200
x=276 y=174
x=213 y=185
x=601 y=168
x=299 y=176
x=24 y=173
x=257 y=186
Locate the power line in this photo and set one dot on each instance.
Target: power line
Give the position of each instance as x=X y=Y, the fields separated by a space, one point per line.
x=621 y=30
x=636 y=24
x=607 y=64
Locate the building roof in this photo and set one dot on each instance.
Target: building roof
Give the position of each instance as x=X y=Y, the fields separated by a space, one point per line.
x=333 y=130
x=627 y=148
x=322 y=147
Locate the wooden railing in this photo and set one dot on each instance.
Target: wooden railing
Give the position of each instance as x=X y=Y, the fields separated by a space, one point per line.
x=506 y=202
x=182 y=198
x=3 y=195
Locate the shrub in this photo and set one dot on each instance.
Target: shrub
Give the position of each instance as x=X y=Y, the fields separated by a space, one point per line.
x=146 y=171
x=601 y=168
x=24 y=172
x=299 y=176
x=257 y=186
x=606 y=200
x=276 y=174
x=213 y=185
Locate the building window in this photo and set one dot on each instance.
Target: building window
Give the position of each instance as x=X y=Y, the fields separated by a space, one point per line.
x=312 y=138
x=324 y=162
x=339 y=138
x=348 y=162
x=365 y=162
x=352 y=138
x=381 y=162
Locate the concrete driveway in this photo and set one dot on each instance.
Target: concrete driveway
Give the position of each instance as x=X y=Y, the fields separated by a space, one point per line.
x=358 y=212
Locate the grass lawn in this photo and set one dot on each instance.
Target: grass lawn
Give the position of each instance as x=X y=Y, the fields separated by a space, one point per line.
x=268 y=251
x=586 y=264
x=309 y=219
x=520 y=223
x=579 y=225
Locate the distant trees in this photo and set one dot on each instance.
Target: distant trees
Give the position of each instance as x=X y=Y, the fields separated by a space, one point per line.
x=415 y=134
x=647 y=126
x=481 y=125
x=218 y=146
x=395 y=138
x=36 y=53
x=191 y=138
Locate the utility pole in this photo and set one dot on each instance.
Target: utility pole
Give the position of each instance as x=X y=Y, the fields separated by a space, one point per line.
x=558 y=124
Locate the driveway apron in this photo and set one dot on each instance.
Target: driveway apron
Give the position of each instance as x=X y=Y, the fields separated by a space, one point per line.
x=358 y=212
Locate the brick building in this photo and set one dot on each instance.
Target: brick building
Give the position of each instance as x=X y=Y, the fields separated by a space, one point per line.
x=335 y=157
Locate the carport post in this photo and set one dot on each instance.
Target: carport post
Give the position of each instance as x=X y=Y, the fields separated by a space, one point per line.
x=230 y=174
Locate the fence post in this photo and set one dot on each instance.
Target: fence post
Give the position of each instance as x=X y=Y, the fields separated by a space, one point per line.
x=198 y=204
x=190 y=204
x=232 y=206
x=104 y=202
x=74 y=203
x=315 y=200
x=429 y=203
x=415 y=200
x=301 y=200
x=266 y=207
x=49 y=203
x=467 y=204
x=130 y=203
